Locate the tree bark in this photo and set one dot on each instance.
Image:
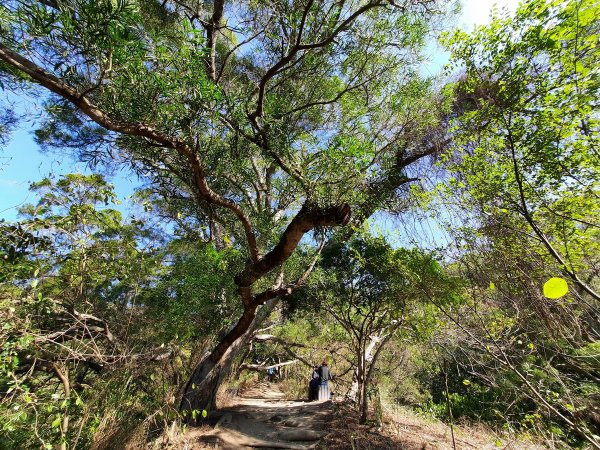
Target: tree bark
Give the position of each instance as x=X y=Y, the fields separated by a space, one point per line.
x=200 y=391
x=262 y=368
x=63 y=374
x=370 y=360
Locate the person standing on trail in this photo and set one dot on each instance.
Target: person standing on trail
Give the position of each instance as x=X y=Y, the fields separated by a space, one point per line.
x=313 y=386
x=324 y=377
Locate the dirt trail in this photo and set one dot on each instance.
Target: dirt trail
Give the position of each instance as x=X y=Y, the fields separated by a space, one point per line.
x=261 y=418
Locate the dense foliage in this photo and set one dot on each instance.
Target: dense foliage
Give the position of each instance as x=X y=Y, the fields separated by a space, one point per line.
x=267 y=134
x=237 y=111
x=525 y=178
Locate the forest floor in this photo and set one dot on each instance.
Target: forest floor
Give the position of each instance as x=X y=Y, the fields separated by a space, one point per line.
x=261 y=417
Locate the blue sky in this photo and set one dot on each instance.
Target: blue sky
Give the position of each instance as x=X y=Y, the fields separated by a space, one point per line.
x=22 y=163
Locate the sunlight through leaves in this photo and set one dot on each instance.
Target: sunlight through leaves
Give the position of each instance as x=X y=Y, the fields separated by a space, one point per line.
x=555 y=288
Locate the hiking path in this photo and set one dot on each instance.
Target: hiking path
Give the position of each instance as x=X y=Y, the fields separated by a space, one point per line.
x=260 y=417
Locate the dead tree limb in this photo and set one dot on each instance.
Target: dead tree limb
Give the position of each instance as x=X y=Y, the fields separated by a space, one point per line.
x=261 y=368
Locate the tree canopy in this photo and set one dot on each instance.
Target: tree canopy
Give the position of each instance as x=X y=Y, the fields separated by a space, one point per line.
x=270 y=136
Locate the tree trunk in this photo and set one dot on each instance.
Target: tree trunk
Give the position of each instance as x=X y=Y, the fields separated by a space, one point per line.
x=352 y=393
x=371 y=354
x=363 y=401
x=200 y=391
x=364 y=405
x=63 y=374
x=358 y=390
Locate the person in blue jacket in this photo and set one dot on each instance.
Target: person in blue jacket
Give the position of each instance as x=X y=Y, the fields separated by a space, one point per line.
x=313 y=385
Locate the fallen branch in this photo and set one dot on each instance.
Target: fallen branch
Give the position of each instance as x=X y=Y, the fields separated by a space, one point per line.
x=286 y=346
x=270 y=337
x=261 y=368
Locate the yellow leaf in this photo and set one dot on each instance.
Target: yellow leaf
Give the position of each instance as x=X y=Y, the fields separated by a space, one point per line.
x=204 y=413
x=555 y=288
x=492 y=286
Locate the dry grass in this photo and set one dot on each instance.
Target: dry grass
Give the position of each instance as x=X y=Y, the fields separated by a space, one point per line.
x=403 y=430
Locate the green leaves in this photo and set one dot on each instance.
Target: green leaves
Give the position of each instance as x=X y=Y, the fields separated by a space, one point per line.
x=73 y=269
x=526 y=130
x=526 y=176
x=196 y=412
x=368 y=277
x=57 y=421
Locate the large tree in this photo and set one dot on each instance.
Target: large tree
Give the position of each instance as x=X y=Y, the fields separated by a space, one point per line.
x=527 y=138
x=375 y=293
x=269 y=118
x=526 y=174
